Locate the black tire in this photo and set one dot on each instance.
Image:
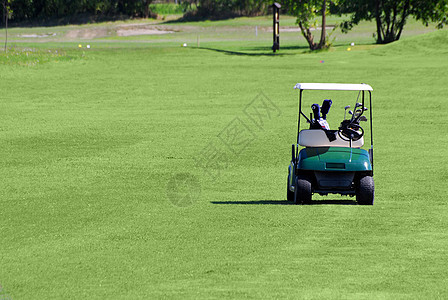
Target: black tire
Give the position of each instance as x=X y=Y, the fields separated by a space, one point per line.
x=289 y=194
x=365 y=192
x=302 y=191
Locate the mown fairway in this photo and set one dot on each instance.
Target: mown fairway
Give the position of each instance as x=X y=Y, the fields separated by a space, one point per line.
x=94 y=145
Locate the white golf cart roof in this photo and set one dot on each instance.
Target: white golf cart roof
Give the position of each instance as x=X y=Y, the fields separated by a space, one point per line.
x=333 y=86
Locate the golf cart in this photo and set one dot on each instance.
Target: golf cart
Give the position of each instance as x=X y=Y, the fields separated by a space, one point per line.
x=332 y=161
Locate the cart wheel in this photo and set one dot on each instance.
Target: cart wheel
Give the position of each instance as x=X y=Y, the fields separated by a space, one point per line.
x=365 y=192
x=302 y=191
x=289 y=194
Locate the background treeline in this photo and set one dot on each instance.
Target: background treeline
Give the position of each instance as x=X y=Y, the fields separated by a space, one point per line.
x=219 y=9
x=73 y=10
x=78 y=11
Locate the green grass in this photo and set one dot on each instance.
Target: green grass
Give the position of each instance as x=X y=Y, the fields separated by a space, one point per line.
x=89 y=146
x=33 y=56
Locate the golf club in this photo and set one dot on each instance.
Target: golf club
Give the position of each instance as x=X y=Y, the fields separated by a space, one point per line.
x=345 y=108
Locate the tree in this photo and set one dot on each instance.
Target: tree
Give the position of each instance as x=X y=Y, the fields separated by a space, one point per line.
x=306 y=12
x=391 y=15
x=146 y=8
x=7 y=13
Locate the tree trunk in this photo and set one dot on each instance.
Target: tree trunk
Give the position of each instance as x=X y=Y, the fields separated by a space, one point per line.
x=6 y=29
x=396 y=23
x=379 y=38
x=403 y=18
x=322 y=42
x=308 y=36
x=146 y=4
x=6 y=8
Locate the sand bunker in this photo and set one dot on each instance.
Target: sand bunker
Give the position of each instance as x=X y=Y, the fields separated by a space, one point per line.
x=88 y=33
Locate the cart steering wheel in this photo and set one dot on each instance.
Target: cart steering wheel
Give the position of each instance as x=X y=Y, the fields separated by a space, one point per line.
x=351 y=131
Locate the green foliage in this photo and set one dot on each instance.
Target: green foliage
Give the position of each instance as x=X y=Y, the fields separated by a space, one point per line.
x=391 y=16
x=431 y=11
x=167 y=9
x=7 y=7
x=221 y=9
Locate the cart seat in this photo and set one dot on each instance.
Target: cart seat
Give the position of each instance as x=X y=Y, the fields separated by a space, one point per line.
x=318 y=138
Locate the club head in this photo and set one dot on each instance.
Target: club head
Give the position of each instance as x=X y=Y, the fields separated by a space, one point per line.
x=363 y=119
x=358 y=105
x=347 y=107
x=350 y=112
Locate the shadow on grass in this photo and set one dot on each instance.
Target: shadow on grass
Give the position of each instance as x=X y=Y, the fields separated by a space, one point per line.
x=256 y=202
x=285 y=202
x=333 y=202
x=228 y=52
x=269 y=48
